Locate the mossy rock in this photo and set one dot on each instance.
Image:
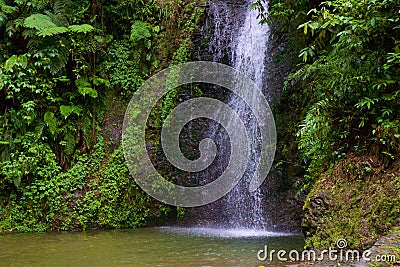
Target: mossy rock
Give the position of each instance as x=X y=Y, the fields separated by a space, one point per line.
x=359 y=201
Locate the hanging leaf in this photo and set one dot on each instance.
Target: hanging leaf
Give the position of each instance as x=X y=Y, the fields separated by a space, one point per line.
x=85 y=88
x=23 y=60
x=68 y=110
x=50 y=121
x=11 y=62
x=70 y=142
x=372 y=22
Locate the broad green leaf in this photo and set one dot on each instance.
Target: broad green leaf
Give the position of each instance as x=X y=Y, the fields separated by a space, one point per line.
x=50 y=121
x=23 y=60
x=68 y=110
x=85 y=88
x=11 y=62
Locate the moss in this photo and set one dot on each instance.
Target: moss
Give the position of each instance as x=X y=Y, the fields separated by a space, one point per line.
x=359 y=202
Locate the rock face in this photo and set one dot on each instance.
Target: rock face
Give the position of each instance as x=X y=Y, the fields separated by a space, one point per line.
x=317 y=206
x=385 y=251
x=221 y=24
x=359 y=201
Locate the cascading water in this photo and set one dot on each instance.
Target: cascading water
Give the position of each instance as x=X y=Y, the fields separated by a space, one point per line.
x=222 y=34
x=245 y=209
x=250 y=48
x=247 y=47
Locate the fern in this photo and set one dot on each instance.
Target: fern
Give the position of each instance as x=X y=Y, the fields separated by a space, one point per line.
x=83 y=28
x=59 y=57
x=39 y=22
x=58 y=19
x=44 y=25
x=19 y=22
x=59 y=15
x=48 y=25
x=5 y=10
x=28 y=34
x=140 y=30
x=59 y=7
x=3 y=19
x=52 y=31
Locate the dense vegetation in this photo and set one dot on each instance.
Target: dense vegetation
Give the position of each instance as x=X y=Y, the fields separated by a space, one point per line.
x=67 y=69
x=339 y=113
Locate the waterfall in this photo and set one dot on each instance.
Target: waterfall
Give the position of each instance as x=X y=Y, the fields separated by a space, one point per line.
x=222 y=34
x=250 y=47
x=244 y=209
x=247 y=47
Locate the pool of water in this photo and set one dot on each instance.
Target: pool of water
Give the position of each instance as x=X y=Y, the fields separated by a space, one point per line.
x=164 y=246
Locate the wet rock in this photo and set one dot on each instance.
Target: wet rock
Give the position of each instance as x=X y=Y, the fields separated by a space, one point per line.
x=313 y=211
x=385 y=252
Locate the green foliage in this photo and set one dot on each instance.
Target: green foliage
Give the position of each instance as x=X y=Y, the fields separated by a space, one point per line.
x=346 y=86
x=33 y=159
x=350 y=73
x=126 y=75
x=85 y=88
x=341 y=102
x=85 y=196
x=68 y=110
x=141 y=31
x=84 y=28
x=44 y=25
x=61 y=62
x=50 y=119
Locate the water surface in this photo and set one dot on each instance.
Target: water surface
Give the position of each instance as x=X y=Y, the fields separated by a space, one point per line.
x=165 y=246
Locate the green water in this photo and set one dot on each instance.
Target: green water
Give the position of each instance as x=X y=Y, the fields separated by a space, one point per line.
x=142 y=247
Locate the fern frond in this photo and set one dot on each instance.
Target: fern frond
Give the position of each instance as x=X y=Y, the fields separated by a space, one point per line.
x=19 y=22
x=32 y=43
x=83 y=28
x=58 y=19
x=28 y=33
x=10 y=28
x=52 y=31
x=6 y=9
x=3 y=19
x=60 y=59
x=39 y=22
x=140 y=30
x=44 y=25
x=41 y=4
x=59 y=7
